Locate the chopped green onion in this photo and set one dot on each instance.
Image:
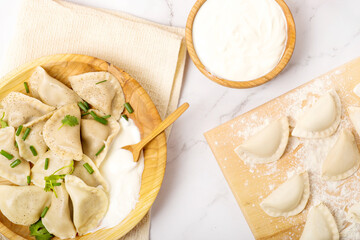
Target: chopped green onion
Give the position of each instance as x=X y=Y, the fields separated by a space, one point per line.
x=97 y=118
x=107 y=116
x=26 y=134
x=100 y=150
x=128 y=107
x=15 y=163
x=56 y=184
x=2 y=122
x=100 y=82
x=18 y=131
x=84 y=114
x=125 y=117
x=26 y=87
x=28 y=180
x=33 y=150
x=88 y=168
x=6 y=154
x=86 y=105
x=16 y=145
x=82 y=106
x=46 y=163
x=44 y=212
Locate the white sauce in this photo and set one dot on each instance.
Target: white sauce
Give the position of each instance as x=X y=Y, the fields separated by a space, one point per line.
x=240 y=40
x=123 y=175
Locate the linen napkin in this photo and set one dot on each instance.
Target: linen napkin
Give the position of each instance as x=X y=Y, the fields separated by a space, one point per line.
x=151 y=53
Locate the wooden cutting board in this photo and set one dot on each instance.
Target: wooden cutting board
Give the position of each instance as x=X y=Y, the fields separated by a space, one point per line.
x=250 y=184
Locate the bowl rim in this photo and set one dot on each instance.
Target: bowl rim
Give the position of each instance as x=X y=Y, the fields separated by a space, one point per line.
x=146 y=197
x=289 y=49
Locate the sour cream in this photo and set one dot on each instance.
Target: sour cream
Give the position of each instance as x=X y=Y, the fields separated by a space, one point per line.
x=240 y=40
x=122 y=174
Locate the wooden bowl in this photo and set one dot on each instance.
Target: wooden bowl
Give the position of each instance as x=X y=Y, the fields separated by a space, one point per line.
x=290 y=44
x=145 y=116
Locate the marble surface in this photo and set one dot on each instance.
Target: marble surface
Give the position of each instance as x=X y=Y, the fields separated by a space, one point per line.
x=195 y=201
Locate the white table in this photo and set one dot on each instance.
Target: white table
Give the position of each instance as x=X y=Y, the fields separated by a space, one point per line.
x=195 y=201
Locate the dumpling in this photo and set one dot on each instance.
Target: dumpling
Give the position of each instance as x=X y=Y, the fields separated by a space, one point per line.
x=354 y=114
x=93 y=180
x=102 y=90
x=21 y=109
x=57 y=219
x=343 y=159
x=23 y=204
x=267 y=145
x=90 y=204
x=64 y=140
x=353 y=215
x=320 y=224
x=49 y=90
x=18 y=174
x=290 y=198
x=95 y=135
x=35 y=139
x=322 y=119
x=38 y=171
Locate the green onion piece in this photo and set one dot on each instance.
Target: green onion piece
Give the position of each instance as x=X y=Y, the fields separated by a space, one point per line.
x=99 y=119
x=128 y=107
x=82 y=106
x=46 y=163
x=100 y=150
x=100 y=82
x=15 y=163
x=86 y=105
x=26 y=87
x=28 y=180
x=84 y=114
x=88 y=168
x=16 y=145
x=33 y=150
x=125 y=117
x=56 y=184
x=6 y=154
x=26 y=134
x=18 y=131
x=2 y=122
x=107 y=116
x=44 y=212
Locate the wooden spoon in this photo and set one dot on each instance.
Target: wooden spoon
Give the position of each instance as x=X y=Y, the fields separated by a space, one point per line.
x=135 y=149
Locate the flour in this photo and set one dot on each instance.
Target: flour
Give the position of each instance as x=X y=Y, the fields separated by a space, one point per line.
x=310 y=153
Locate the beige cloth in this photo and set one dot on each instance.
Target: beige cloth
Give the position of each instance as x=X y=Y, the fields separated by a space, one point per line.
x=153 y=54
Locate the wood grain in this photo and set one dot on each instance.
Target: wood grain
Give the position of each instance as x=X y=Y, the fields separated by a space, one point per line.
x=136 y=148
x=145 y=116
x=250 y=186
x=290 y=45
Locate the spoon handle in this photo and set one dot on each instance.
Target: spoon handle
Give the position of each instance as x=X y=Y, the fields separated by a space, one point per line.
x=164 y=124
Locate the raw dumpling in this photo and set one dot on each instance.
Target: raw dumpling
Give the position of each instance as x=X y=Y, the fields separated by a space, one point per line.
x=106 y=96
x=267 y=145
x=354 y=114
x=95 y=135
x=18 y=174
x=64 y=140
x=93 y=180
x=90 y=204
x=343 y=159
x=23 y=204
x=21 y=109
x=320 y=224
x=49 y=90
x=322 y=119
x=353 y=215
x=290 y=198
x=35 y=139
x=38 y=171
x=57 y=219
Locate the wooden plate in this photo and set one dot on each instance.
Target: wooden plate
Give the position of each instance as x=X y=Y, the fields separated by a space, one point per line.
x=290 y=44
x=145 y=116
